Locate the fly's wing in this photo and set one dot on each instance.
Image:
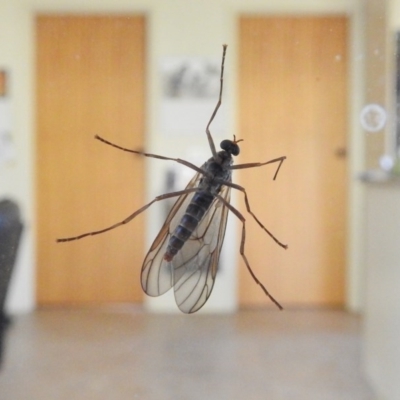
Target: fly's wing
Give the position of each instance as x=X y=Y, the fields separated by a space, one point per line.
x=157 y=274
x=195 y=266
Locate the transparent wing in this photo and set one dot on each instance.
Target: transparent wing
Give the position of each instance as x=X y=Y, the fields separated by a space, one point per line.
x=192 y=271
x=157 y=274
x=195 y=266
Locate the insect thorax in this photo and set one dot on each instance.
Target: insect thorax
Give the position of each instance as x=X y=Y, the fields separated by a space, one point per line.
x=219 y=169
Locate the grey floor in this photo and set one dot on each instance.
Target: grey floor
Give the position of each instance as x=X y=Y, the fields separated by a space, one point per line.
x=119 y=353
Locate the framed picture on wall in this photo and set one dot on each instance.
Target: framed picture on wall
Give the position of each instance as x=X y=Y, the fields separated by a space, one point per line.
x=7 y=148
x=3 y=83
x=190 y=87
x=397 y=96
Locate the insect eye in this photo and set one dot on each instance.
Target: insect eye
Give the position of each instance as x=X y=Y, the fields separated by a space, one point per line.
x=230 y=147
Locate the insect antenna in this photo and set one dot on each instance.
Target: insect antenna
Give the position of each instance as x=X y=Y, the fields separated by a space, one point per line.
x=237 y=141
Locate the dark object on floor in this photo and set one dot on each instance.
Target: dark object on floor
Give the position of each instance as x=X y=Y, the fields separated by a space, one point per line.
x=10 y=234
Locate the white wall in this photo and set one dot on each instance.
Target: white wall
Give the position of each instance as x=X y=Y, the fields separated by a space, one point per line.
x=382 y=311
x=175 y=27
x=17 y=177
x=382 y=307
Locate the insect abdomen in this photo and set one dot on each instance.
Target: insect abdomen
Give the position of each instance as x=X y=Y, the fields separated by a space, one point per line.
x=194 y=213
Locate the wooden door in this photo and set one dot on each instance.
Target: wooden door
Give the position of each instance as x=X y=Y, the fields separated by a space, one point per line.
x=293 y=102
x=90 y=80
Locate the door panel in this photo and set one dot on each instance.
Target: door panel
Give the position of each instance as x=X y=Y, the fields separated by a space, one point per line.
x=293 y=102
x=90 y=80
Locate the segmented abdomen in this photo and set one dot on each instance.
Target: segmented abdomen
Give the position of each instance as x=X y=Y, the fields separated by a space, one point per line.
x=200 y=203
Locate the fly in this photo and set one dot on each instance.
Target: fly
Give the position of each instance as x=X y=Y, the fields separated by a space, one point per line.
x=186 y=251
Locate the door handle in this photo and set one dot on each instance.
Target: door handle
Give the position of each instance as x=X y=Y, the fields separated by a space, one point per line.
x=340 y=152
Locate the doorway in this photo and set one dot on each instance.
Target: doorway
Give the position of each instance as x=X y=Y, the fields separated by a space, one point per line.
x=293 y=102
x=90 y=81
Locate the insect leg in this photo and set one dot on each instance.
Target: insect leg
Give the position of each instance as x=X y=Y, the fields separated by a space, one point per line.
x=242 y=243
x=131 y=217
x=209 y=137
x=178 y=160
x=246 y=200
x=259 y=164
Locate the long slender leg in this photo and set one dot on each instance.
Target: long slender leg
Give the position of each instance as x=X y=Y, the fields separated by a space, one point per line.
x=246 y=200
x=259 y=164
x=209 y=137
x=242 y=243
x=178 y=160
x=131 y=217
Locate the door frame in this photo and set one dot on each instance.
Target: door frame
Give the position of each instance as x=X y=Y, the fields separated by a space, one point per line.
x=355 y=262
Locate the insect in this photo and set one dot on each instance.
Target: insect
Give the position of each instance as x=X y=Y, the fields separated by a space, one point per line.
x=186 y=251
